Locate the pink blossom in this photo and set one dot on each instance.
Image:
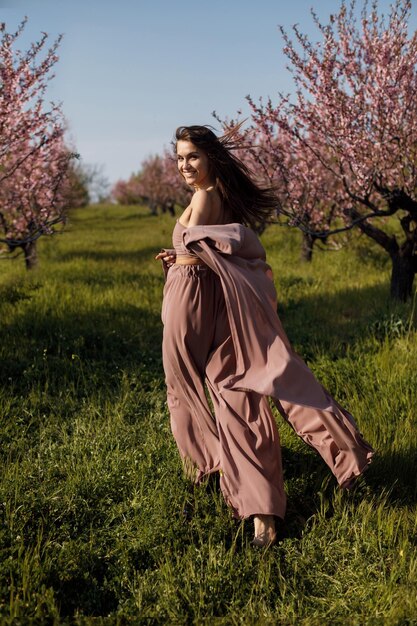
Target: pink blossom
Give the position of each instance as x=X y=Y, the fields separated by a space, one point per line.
x=33 y=155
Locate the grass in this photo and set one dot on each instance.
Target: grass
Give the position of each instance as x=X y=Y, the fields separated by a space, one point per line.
x=98 y=523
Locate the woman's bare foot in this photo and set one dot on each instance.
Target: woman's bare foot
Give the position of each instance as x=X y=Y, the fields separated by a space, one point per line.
x=265 y=534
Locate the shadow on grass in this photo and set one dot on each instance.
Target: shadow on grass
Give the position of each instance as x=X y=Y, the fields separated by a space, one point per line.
x=395 y=472
x=87 y=354
x=81 y=351
x=14 y=291
x=333 y=322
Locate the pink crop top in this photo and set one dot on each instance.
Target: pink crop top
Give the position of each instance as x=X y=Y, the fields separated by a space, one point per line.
x=177 y=241
x=177 y=237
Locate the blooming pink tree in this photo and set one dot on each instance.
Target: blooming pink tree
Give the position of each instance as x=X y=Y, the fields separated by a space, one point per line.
x=151 y=182
x=157 y=184
x=304 y=187
x=351 y=131
x=269 y=153
x=33 y=156
x=128 y=191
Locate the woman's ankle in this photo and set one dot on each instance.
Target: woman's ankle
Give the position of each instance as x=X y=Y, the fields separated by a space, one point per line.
x=264 y=527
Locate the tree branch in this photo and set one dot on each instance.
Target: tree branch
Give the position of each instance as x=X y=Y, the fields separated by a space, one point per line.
x=357 y=220
x=34 y=235
x=389 y=244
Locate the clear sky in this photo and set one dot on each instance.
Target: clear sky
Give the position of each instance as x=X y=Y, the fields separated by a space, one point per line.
x=131 y=71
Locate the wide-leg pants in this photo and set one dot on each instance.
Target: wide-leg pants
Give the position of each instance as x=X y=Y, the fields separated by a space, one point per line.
x=240 y=440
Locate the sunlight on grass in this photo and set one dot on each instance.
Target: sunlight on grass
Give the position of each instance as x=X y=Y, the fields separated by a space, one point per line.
x=97 y=517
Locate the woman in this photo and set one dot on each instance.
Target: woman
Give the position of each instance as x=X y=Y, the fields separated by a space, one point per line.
x=221 y=328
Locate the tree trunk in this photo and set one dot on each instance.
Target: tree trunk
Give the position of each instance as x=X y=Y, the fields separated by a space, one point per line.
x=31 y=256
x=307 y=246
x=402 y=275
x=403 y=257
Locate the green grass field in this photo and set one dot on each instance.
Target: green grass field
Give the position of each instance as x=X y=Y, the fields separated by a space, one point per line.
x=98 y=524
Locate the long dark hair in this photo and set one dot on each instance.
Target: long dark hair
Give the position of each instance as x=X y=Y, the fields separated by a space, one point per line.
x=248 y=202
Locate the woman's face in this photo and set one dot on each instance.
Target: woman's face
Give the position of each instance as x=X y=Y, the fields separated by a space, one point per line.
x=193 y=165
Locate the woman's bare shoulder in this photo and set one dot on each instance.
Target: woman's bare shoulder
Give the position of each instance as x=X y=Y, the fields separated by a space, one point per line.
x=201 y=197
x=203 y=208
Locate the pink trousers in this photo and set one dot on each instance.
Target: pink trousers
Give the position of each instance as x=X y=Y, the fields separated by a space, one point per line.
x=239 y=438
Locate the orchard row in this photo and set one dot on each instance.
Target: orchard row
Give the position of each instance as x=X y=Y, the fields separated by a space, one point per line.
x=341 y=151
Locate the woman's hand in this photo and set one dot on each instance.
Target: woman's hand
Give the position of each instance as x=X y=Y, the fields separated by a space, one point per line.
x=168 y=257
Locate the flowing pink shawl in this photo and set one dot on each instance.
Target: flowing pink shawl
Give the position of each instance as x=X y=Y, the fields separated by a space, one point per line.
x=265 y=361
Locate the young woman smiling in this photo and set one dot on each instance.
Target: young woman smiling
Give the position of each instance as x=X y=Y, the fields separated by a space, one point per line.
x=221 y=330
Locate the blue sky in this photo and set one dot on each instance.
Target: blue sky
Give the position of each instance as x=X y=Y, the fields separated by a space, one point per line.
x=131 y=71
